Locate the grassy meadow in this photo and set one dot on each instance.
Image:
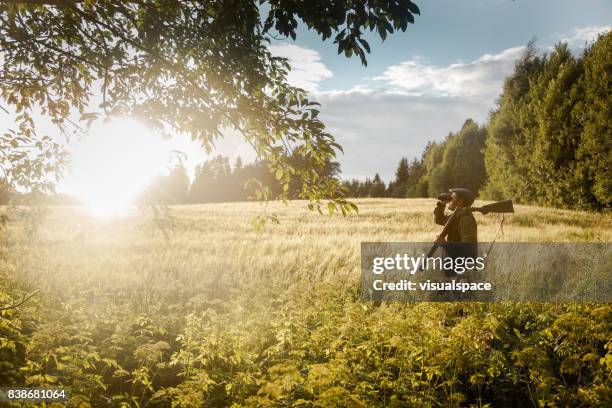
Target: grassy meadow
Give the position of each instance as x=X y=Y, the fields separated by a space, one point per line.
x=218 y=314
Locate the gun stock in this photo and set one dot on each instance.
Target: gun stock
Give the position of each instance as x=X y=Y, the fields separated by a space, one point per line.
x=499 y=207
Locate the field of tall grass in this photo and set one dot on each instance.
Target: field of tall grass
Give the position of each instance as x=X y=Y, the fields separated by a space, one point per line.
x=220 y=314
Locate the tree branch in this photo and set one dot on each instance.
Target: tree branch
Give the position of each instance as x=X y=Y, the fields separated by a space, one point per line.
x=23 y=300
x=58 y=3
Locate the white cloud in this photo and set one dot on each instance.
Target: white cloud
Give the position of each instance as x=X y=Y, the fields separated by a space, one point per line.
x=377 y=127
x=412 y=103
x=480 y=78
x=584 y=35
x=307 y=70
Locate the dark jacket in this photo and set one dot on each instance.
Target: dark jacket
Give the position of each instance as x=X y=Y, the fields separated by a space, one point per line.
x=462 y=229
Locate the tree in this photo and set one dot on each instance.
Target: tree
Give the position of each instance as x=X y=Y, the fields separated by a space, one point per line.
x=378 y=187
x=593 y=156
x=549 y=136
x=212 y=182
x=556 y=134
x=434 y=153
x=185 y=67
x=170 y=189
x=416 y=186
x=462 y=162
x=216 y=181
x=397 y=188
x=509 y=131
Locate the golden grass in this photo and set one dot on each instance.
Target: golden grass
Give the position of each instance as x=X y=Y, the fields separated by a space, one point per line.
x=216 y=244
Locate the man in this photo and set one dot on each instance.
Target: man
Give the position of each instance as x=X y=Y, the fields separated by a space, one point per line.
x=462 y=238
x=463 y=228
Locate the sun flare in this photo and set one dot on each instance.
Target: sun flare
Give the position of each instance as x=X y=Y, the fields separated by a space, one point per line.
x=113 y=164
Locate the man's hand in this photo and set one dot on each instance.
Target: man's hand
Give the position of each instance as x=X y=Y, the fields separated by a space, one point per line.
x=439 y=217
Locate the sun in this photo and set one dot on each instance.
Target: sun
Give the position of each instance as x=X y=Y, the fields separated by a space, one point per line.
x=113 y=164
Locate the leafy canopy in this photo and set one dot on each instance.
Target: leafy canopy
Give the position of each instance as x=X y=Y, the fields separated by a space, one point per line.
x=194 y=67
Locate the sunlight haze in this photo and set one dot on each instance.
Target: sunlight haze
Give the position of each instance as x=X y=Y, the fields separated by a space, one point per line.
x=114 y=164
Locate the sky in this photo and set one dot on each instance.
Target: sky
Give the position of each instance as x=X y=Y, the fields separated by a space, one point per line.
x=418 y=86
x=421 y=84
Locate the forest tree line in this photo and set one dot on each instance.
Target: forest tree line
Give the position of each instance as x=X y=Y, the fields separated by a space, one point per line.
x=216 y=180
x=546 y=142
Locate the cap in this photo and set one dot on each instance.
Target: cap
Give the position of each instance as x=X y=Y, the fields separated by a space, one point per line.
x=465 y=195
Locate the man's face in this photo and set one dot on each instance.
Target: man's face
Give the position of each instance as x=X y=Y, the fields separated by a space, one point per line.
x=455 y=202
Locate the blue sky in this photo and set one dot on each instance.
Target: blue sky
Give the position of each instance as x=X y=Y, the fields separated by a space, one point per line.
x=421 y=84
x=448 y=31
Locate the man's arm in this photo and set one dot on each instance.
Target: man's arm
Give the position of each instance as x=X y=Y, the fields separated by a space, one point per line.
x=439 y=217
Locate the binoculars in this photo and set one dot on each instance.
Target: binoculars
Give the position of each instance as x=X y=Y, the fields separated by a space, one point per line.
x=445 y=197
x=499 y=207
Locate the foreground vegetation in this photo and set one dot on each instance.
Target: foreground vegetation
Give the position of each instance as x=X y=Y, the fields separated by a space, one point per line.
x=219 y=314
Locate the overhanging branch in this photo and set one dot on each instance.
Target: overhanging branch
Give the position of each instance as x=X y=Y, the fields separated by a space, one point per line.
x=58 y=3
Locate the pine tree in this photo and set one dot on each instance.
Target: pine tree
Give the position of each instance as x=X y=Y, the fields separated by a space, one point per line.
x=397 y=188
x=416 y=185
x=378 y=187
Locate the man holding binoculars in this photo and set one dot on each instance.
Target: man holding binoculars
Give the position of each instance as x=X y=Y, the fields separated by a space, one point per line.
x=460 y=236
x=463 y=227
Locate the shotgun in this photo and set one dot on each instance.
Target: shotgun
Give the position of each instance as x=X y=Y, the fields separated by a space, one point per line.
x=499 y=207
